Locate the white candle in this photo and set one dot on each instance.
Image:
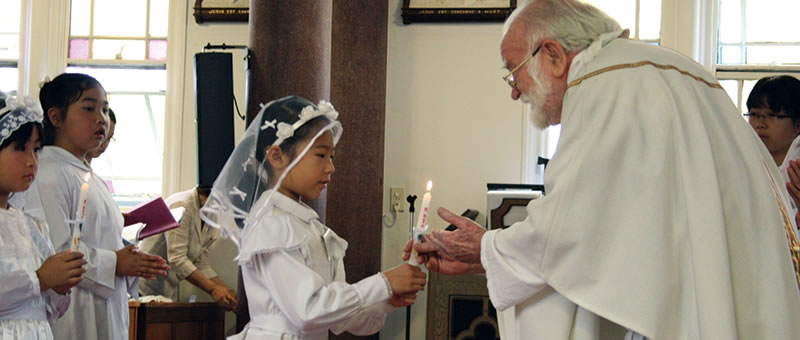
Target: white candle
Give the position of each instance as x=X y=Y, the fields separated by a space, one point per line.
x=422 y=222
x=79 y=215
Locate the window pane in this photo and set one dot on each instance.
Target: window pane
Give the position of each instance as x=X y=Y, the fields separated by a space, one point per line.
x=158 y=50
x=650 y=19
x=730 y=21
x=765 y=18
x=79 y=48
x=746 y=88
x=732 y=88
x=159 y=18
x=80 y=12
x=134 y=160
x=9 y=46
x=773 y=55
x=624 y=11
x=127 y=80
x=118 y=49
x=9 y=16
x=730 y=55
x=8 y=79
x=120 y=18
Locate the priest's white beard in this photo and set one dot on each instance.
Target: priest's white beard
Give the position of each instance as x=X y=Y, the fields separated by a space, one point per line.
x=536 y=96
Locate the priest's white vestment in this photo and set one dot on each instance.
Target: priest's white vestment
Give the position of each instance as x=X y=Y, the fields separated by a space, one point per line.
x=663 y=213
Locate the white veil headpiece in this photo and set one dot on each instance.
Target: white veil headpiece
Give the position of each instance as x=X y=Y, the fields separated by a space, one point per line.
x=17 y=113
x=234 y=198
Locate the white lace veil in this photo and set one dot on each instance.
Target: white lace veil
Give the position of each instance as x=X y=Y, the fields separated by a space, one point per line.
x=234 y=198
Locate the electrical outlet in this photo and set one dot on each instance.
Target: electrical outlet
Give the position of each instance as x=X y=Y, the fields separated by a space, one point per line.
x=396 y=199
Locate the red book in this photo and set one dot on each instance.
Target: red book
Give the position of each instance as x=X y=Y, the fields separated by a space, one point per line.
x=155 y=216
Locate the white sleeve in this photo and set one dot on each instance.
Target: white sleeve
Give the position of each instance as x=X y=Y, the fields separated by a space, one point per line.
x=306 y=299
x=17 y=288
x=99 y=277
x=509 y=282
x=57 y=305
x=368 y=320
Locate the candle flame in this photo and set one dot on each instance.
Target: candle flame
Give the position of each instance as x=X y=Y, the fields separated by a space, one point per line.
x=87 y=176
x=430 y=185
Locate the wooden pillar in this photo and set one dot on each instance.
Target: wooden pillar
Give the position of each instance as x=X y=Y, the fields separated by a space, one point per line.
x=358 y=90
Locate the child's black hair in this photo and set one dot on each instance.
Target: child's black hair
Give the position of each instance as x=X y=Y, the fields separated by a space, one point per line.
x=778 y=93
x=60 y=93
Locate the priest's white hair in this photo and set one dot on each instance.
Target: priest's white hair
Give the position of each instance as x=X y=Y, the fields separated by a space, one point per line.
x=573 y=23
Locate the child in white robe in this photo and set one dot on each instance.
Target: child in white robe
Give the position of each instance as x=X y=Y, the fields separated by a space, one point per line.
x=292 y=264
x=34 y=280
x=76 y=122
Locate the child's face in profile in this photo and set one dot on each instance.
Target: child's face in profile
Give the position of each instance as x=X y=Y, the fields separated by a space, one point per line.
x=313 y=173
x=776 y=133
x=84 y=127
x=20 y=163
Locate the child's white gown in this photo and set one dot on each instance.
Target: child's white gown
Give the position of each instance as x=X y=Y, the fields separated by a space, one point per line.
x=293 y=271
x=25 y=310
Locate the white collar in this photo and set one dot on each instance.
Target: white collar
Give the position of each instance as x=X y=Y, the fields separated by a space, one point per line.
x=578 y=64
x=296 y=208
x=62 y=154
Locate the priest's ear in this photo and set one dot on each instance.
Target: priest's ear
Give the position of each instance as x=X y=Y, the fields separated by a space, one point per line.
x=556 y=59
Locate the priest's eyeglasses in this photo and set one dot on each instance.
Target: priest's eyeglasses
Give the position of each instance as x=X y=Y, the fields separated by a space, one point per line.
x=509 y=78
x=770 y=117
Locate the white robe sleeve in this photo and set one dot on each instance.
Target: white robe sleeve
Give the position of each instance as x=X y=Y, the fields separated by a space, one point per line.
x=57 y=305
x=56 y=199
x=509 y=282
x=368 y=320
x=308 y=302
x=16 y=288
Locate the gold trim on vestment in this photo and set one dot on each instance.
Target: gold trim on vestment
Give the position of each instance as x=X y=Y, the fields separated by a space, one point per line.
x=638 y=64
x=794 y=247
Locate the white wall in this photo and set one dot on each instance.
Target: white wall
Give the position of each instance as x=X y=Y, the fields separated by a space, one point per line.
x=449 y=118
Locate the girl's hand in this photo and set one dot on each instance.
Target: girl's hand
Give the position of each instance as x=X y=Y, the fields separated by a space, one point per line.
x=403 y=300
x=61 y=271
x=405 y=279
x=132 y=262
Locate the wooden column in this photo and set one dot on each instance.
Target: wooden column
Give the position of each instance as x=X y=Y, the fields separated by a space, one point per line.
x=358 y=90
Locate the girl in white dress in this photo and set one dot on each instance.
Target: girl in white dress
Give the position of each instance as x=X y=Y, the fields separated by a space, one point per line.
x=76 y=122
x=33 y=280
x=292 y=264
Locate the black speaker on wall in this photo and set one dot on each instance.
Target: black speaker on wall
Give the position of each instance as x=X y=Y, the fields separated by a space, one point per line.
x=213 y=92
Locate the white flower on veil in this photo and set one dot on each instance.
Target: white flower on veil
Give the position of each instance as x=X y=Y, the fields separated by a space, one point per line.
x=284 y=131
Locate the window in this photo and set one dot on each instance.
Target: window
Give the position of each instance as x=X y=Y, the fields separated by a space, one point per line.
x=124 y=45
x=751 y=44
x=643 y=18
x=9 y=44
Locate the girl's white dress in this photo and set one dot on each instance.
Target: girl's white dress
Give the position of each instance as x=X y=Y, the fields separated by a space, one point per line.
x=293 y=272
x=26 y=313
x=100 y=301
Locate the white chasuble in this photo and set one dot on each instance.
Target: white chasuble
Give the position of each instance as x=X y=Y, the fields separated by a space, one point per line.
x=660 y=215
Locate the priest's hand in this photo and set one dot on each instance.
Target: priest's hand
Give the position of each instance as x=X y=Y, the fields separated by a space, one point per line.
x=439 y=263
x=132 y=262
x=61 y=271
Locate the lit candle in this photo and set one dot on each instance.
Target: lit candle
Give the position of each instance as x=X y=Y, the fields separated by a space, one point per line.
x=79 y=215
x=422 y=222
